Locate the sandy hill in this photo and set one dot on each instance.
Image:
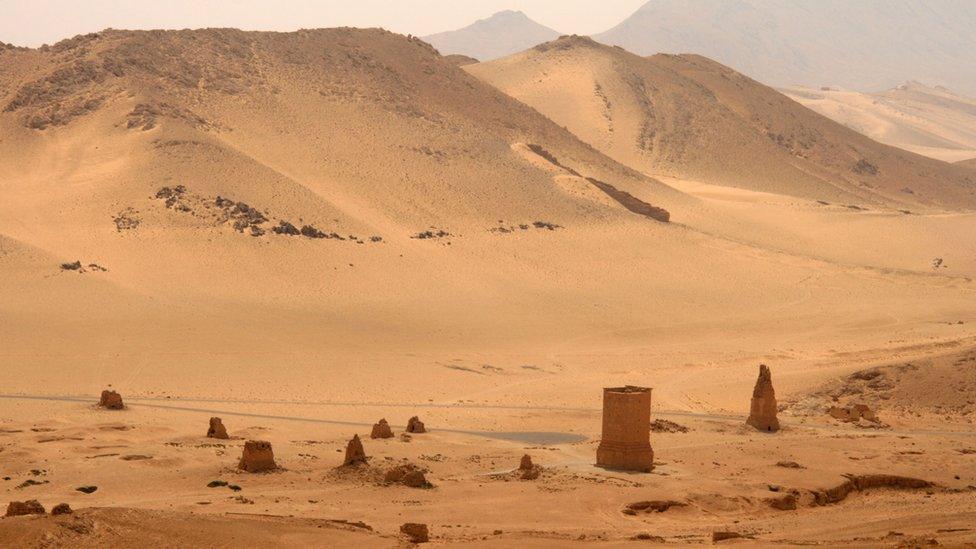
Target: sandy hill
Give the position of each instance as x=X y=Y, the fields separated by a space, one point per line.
x=927 y=120
x=855 y=45
x=502 y=34
x=687 y=116
x=303 y=233
x=968 y=163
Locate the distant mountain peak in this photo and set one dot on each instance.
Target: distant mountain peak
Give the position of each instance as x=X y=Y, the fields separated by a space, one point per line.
x=499 y=35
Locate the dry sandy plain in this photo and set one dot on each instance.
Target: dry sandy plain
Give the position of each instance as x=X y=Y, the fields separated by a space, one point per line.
x=500 y=340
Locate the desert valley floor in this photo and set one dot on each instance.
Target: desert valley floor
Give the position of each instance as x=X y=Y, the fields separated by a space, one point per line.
x=450 y=267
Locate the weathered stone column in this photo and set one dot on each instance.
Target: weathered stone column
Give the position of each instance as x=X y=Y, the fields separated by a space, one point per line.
x=762 y=411
x=625 y=443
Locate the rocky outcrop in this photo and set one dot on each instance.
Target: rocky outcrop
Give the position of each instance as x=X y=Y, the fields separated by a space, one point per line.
x=407 y=474
x=381 y=430
x=111 y=400
x=656 y=506
x=217 y=429
x=21 y=508
x=416 y=426
x=762 y=412
x=258 y=457
x=355 y=453
x=854 y=413
x=416 y=533
x=785 y=502
x=858 y=483
x=61 y=509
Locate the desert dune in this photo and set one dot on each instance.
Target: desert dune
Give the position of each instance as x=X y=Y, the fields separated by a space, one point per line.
x=301 y=233
x=931 y=121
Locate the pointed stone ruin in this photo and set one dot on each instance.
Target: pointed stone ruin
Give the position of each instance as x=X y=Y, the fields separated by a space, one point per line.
x=762 y=412
x=111 y=400
x=355 y=453
x=528 y=470
x=381 y=430
x=258 y=457
x=415 y=425
x=21 y=508
x=217 y=429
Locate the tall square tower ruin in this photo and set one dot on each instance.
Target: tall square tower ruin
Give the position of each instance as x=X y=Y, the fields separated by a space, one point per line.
x=626 y=440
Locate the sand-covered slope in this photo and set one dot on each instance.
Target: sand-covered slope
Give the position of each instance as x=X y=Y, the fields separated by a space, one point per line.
x=687 y=116
x=927 y=120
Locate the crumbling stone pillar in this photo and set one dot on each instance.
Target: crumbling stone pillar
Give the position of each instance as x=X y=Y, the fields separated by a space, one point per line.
x=762 y=412
x=625 y=443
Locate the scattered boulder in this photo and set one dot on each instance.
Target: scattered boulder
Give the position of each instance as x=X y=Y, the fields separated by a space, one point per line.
x=111 y=400
x=355 y=453
x=789 y=465
x=762 y=412
x=722 y=536
x=217 y=429
x=381 y=430
x=286 y=228
x=786 y=502
x=656 y=506
x=526 y=463
x=258 y=457
x=853 y=413
x=407 y=474
x=415 y=425
x=416 y=533
x=665 y=426
x=21 y=508
x=87 y=489
x=61 y=509
x=76 y=266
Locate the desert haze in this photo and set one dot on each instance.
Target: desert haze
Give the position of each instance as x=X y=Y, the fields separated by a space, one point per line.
x=332 y=288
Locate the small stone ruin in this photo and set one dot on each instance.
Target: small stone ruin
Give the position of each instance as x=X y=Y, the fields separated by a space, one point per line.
x=407 y=474
x=111 y=400
x=217 y=429
x=416 y=533
x=415 y=425
x=258 y=457
x=762 y=411
x=381 y=430
x=21 y=508
x=355 y=453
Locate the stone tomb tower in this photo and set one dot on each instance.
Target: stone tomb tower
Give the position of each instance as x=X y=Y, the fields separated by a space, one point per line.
x=626 y=443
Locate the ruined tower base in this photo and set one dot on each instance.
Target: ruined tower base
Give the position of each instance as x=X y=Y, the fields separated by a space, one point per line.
x=625 y=457
x=625 y=443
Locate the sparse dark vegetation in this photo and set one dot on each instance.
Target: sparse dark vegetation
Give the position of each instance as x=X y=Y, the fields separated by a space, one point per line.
x=286 y=228
x=864 y=167
x=426 y=235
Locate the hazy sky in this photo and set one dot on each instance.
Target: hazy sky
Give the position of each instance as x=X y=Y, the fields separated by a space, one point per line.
x=35 y=22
